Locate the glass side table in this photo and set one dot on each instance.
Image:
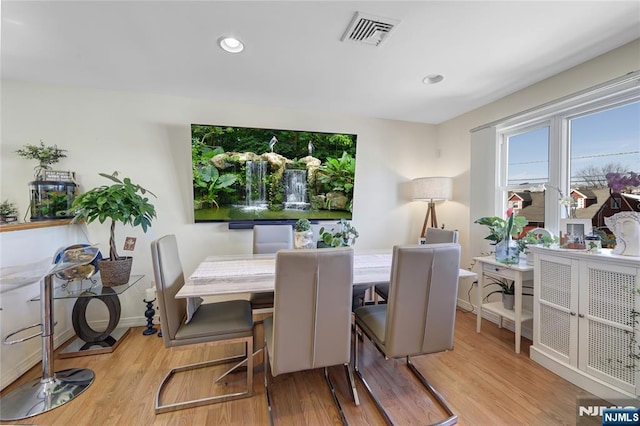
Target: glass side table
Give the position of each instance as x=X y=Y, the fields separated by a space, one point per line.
x=89 y=340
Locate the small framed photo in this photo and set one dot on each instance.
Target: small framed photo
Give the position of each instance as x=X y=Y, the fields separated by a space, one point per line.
x=572 y=233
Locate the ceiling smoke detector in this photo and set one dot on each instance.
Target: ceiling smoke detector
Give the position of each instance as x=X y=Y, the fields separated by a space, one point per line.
x=369 y=29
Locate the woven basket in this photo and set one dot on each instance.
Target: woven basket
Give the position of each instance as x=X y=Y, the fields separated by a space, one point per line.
x=115 y=272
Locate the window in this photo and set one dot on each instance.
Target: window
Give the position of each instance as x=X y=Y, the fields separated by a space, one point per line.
x=528 y=157
x=566 y=149
x=604 y=141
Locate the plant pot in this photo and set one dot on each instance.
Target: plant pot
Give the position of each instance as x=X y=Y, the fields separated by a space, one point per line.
x=530 y=258
x=508 y=252
x=303 y=239
x=115 y=272
x=508 y=301
x=8 y=218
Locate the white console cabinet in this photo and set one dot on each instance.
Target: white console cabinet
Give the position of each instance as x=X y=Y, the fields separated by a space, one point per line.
x=586 y=314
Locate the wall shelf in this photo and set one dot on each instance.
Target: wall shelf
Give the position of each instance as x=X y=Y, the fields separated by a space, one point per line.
x=7 y=227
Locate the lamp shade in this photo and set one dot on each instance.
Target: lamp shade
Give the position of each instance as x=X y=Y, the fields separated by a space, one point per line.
x=432 y=188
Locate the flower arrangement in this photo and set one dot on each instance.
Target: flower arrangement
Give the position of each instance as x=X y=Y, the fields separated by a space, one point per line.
x=501 y=229
x=618 y=181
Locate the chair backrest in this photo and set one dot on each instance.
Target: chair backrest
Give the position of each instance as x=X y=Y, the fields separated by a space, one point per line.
x=439 y=236
x=423 y=291
x=312 y=309
x=271 y=238
x=169 y=276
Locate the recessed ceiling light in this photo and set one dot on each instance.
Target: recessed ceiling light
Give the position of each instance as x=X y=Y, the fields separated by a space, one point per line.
x=432 y=79
x=230 y=44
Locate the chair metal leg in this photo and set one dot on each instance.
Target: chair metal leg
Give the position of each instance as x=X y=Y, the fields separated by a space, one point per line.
x=453 y=418
x=356 y=367
x=352 y=383
x=238 y=365
x=334 y=396
x=163 y=408
x=265 y=361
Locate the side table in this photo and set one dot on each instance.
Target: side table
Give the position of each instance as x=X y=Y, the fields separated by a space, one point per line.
x=519 y=273
x=90 y=341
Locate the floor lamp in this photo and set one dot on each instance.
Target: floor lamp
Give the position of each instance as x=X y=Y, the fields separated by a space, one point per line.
x=431 y=189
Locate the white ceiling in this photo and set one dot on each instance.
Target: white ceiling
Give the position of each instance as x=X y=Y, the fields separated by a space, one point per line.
x=294 y=57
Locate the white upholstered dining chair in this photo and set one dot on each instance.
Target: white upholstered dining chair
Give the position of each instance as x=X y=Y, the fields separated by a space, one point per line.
x=225 y=322
x=432 y=236
x=311 y=323
x=419 y=317
x=269 y=239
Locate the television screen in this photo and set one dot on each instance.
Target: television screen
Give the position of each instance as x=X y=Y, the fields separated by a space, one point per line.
x=243 y=174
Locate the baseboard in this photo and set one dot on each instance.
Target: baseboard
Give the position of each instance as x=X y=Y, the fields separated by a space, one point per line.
x=577 y=377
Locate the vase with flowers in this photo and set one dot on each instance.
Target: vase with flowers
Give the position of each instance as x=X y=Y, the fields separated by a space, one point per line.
x=501 y=233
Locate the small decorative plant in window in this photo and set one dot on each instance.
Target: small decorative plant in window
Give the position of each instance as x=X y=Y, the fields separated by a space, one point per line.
x=46 y=155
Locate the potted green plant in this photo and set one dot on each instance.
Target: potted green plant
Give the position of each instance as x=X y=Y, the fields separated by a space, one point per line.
x=46 y=155
x=342 y=235
x=303 y=235
x=507 y=289
x=8 y=212
x=501 y=233
x=124 y=202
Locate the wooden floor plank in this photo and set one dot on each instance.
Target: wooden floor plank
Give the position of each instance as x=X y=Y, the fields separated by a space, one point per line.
x=483 y=379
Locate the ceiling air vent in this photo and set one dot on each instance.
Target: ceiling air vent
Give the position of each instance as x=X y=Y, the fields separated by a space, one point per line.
x=369 y=29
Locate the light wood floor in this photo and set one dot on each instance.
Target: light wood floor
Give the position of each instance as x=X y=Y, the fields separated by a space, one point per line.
x=483 y=379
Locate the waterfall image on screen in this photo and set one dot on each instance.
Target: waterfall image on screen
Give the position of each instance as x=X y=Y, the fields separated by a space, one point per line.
x=247 y=174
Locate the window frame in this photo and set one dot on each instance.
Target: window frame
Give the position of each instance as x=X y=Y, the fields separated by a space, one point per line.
x=558 y=117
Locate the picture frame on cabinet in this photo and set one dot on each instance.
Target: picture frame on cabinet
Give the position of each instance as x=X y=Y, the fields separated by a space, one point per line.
x=573 y=232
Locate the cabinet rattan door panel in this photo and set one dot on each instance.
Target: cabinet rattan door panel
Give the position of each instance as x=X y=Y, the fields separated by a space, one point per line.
x=554 y=330
x=555 y=298
x=555 y=279
x=609 y=322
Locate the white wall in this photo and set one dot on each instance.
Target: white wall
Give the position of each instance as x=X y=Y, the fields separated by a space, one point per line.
x=147 y=137
x=454 y=139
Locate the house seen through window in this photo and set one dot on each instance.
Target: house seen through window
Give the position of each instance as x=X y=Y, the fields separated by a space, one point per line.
x=557 y=167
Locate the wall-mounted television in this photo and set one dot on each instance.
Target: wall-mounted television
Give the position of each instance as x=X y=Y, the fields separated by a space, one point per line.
x=245 y=175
